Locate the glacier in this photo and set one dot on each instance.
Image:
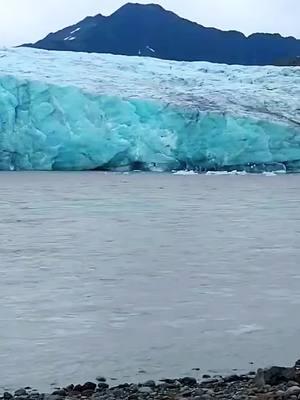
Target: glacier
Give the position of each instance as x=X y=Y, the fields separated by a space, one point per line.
x=77 y=111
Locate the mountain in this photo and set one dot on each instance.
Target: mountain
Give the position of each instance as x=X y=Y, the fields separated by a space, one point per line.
x=150 y=30
x=289 y=62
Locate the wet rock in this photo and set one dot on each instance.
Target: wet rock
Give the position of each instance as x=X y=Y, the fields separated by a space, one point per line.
x=89 y=386
x=118 y=393
x=206 y=376
x=171 y=381
x=52 y=397
x=210 y=392
x=292 y=383
x=101 y=379
x=276 y=375
x=199 y=392
x=210 y=381
x=150 y=384
x=103 y=386
x=20 y=392
x=123 y=386
x=70 y=388
x=168 y=386
x=145 y=390
x=186 y=393
x=34 y=396
x=87 y=393
x=77 y=388
x=7 y=396
x=60 y=392
x=259 y=379
x=188 y=381
x=219 y=377
x=98 y=396
x=232 y=378
x=206 y=396
x=133 y=388
x=292 y=391
x=133 y=397
x=280 y=394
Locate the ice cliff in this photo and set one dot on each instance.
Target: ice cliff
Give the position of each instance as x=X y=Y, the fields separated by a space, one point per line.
x=75 y=111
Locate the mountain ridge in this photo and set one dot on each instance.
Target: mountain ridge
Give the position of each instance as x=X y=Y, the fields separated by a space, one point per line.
x=150 y=30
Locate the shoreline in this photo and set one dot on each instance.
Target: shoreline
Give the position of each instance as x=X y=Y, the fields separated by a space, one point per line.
x=266 y=384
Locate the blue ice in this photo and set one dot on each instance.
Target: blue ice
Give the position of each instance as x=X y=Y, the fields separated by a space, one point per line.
x=75 y=111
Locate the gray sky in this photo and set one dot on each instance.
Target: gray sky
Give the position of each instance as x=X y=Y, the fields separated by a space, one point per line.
x=29 y=20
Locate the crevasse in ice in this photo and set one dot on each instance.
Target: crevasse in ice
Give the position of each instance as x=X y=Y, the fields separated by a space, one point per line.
x=75 y=111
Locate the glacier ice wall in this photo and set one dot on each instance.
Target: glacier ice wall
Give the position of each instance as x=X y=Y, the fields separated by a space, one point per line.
x=73 y=111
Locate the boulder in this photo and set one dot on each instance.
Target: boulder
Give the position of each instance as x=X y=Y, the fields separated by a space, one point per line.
x=275 y=375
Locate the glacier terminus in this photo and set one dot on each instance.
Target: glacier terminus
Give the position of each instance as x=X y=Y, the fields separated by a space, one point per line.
x=76 y=111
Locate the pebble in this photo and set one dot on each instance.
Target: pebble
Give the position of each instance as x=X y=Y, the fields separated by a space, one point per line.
x=103 y=385
x=206 y=397
x=20 y=392
x=199 y=392
x=168 y=385
x=60 y=392
x=210 y=392
x=210 y=381
x=145 y=390
x=123 y=385
x=168 y=381
x=52 y=397
x=150 y=384
x=280 y=394
x=89 y=386
x=292 y=383
x=293 y=390
x=186 y=393
x=133 y=388
x=188 y=381
x=133 y=397
x=101 y=379
x=233 y=378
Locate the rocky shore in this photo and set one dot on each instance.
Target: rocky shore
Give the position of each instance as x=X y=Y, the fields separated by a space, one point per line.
x=276 y=383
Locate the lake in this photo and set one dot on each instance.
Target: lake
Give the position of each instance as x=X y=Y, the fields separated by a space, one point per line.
x=137 y=276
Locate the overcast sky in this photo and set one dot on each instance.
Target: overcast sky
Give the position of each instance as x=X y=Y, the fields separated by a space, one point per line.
x=29 y=20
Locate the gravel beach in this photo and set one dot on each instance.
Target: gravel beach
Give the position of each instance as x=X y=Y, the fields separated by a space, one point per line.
x=265 y=384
